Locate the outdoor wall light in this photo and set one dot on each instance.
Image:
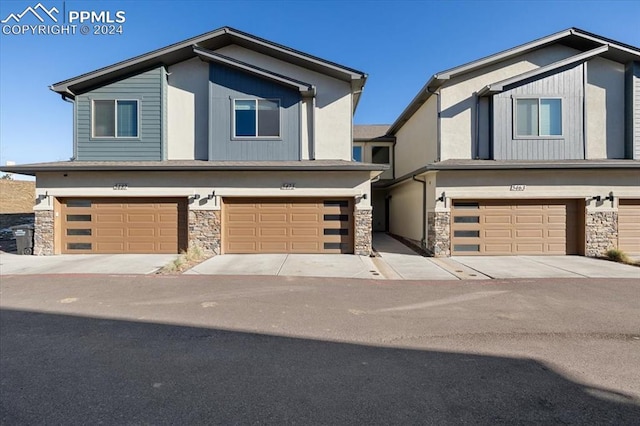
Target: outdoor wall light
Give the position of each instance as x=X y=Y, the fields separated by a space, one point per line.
x=441 y=197
x=210 y=196
x=597 y=198
x=609 y=197
x=195 y=197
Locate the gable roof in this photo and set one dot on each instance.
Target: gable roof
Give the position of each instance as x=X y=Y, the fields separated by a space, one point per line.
x=571 y=37
x=213 y=40
x=371 y=132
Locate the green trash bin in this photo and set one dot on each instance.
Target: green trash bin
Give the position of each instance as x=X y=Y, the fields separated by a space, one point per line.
x=24 y=238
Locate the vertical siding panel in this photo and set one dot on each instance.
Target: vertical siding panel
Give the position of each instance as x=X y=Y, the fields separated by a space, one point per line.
x=566 y=83
x=227 y=84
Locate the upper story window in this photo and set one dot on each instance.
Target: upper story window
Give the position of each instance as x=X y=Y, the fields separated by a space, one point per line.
x=538 y=117
x=357 y=153
x=380 y=155
x=115 y=118
x=256 y=118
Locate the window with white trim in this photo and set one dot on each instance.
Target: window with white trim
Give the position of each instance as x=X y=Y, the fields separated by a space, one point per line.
x=115 y=118
x=255 y=118
x=538 y=117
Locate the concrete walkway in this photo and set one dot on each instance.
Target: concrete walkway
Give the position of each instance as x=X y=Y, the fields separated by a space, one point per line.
x=84 y=263
x=398 y=261
x=299 y=265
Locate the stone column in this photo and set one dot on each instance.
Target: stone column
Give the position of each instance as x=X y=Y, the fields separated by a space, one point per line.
x=43 y=233
x=601 y=232
x=439 y=234
x=363 y=221
x=204 y=230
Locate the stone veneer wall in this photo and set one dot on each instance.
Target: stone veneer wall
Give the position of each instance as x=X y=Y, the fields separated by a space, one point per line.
x=439 y=234
x=601 y=232
x=43 y=238
x=363 y=222
x=204 y=230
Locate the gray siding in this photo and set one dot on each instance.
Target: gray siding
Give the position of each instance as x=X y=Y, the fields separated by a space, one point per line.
x=227 y=84
x=567 y=84
x=147 y=89
x=165 y=112
x=632 y=111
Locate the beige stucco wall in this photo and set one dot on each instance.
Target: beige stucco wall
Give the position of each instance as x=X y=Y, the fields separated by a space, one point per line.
x=188 y=111
x=333 y=114
x=540 y=184
x=458 y=102
x=187 y=184
x=416 y=141
x=405 y=210
x=605 y=109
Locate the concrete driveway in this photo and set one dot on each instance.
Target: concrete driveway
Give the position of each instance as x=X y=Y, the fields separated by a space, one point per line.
x=83 y=263
x=397 y=261
x=300 y=265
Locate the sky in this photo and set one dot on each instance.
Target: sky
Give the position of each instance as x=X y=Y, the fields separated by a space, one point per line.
x=399 y=44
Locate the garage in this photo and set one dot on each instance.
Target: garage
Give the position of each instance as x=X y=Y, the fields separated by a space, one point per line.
x=629 y=226
x=123 y=225
x=515 y=227
x=293 y=225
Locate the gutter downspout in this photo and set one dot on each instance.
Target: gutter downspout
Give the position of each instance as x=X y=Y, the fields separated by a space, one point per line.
x=312 y=154
x=423 y=241
x=438 y=128
x=66 y=98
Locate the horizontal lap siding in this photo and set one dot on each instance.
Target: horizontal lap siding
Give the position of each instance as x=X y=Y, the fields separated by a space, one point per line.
x=568 y=85
x=147 y=89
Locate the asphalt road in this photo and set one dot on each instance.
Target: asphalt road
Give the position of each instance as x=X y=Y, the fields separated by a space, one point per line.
x=275 y=350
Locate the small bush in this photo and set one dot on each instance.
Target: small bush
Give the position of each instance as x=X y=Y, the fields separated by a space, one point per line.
x=617 y=256
x=185 y=260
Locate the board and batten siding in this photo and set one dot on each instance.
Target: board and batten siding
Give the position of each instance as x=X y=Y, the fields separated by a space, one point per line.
x=632 y=111
x=227 y=84
x=567 y=84
x=147 y=88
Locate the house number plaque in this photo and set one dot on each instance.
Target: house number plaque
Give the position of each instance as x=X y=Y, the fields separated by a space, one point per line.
x=518 y=187
x=288 y=186
x=120 y=186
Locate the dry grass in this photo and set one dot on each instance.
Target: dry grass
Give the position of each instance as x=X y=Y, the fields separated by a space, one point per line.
x=17 y=196
x=187 y=259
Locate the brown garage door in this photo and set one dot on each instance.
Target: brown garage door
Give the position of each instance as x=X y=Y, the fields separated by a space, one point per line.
x=123 y=225
x=497 y=227
x=629 y=226
x=279 y=225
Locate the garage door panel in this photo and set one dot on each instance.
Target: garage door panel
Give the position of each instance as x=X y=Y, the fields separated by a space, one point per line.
x=133 y=225
x=294 y=225
x=305 y=232
x=513 y=227
x=110 y=232
x=629 y=226
x=273 y=232
x=529 y=233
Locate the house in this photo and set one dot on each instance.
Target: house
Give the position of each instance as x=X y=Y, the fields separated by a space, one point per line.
x=224 y=141
x=534 y=150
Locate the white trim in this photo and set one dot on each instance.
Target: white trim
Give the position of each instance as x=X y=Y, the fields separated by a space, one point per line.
x=257 y=137
x=115 y=121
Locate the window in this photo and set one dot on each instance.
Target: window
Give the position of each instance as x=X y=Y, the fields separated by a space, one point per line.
x=380 y=155
x=538 y=117
x=357 y=154
x=256 y=118
x=115 y=119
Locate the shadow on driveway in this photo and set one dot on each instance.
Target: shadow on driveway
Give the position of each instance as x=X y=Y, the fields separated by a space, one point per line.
x=60 y=369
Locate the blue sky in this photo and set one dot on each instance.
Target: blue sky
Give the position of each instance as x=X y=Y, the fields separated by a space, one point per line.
x=400 y=44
